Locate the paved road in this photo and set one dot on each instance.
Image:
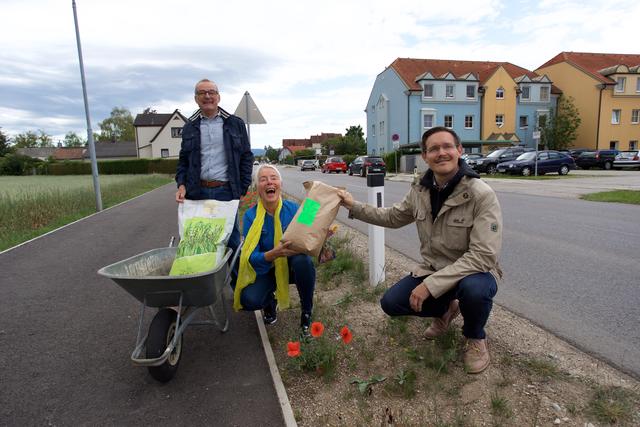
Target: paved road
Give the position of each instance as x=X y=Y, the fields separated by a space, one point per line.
x=66 y=336
x=571 y=265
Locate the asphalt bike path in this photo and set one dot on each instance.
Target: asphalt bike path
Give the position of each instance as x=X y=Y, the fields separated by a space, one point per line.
x=66 y=335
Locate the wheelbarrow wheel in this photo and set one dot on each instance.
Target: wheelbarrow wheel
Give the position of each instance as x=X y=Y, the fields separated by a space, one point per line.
x=161 y=331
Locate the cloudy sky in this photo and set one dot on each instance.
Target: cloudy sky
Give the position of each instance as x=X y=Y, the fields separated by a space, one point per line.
x=309 y=66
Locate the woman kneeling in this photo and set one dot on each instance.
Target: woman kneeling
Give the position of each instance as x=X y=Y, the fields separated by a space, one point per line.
x=267 y=265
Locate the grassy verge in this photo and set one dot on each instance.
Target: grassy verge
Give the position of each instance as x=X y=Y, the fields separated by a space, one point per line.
x=32 y=206
x=617 y=196
x=531 y=178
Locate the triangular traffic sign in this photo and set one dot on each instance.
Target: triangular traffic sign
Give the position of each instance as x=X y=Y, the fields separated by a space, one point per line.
x=248 y=111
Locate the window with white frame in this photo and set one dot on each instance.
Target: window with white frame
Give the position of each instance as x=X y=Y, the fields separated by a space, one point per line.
x=449 y=91
x=176 y=132
x=544 y=93
x=448 y=121
x=381 y=103
x=499 y=120
x=633 y=145
x=428 y=90
x=542 y=119
x=471 y=91
x=468 y=122
x=500 y=93
x=524 y=122
x=638 y=84
x=164 y=152
x=620 y=81
x=373 y=130
x=428 y=120
x=615 y=117
x=526 y=92
x=381 y=128
x=635 y=116
x=613 y=145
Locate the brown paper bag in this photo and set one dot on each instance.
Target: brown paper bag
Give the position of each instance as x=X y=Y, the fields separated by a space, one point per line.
x=308 y=229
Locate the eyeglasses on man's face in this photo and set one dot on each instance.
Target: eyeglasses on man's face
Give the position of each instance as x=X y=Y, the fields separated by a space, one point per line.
x=211 y=92
x=445 y=147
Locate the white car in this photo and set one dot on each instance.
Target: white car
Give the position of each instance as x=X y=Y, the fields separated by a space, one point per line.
x=627 y=160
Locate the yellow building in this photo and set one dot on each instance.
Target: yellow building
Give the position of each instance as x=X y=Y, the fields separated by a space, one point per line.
x=606 y=92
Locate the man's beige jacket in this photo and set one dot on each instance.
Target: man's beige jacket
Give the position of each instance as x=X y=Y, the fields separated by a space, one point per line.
x=465 y=238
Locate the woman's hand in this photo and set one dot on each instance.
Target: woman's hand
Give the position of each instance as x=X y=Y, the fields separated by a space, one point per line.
x=282 y=250
x=346 y=199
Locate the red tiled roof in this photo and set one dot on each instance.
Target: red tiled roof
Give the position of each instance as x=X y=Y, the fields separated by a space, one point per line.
x=294 y=148
x=592 y=63
x=68 y=153
x=410 y=68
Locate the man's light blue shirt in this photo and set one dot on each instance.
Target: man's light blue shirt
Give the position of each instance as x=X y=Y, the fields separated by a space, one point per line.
x=213 y=157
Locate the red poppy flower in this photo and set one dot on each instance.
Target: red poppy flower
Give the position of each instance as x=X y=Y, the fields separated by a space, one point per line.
x=346 y=335
x=317 y=328
x=293 y=349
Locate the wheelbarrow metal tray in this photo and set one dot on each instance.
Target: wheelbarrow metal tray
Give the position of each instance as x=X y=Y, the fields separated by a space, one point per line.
x=146 y=277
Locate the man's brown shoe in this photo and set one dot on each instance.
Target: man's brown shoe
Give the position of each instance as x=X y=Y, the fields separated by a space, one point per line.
x=440 y=325
x=476 y=356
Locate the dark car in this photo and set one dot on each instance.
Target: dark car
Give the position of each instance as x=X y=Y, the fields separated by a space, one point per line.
x=334 y=164
x=367 y=164
x=308 y=165
x=575 y=152
x=489 y=164
x=549 y=161
x=602 y=159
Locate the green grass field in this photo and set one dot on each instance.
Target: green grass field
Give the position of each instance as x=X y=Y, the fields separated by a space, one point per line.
x=631 y=197
x=33 y=205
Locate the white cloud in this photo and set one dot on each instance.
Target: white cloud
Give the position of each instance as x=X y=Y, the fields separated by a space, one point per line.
x=309 y=66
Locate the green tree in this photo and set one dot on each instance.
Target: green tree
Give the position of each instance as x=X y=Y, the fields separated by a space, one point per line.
x=5 y=148
x=307 y=153
x=118 y=126
x=559 y=130
x=352 y=143
x=71 y=139
x=271 y=153
x=30 y=139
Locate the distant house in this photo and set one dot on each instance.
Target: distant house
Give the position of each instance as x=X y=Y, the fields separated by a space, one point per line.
x=159 y=135
x=605 y=88
x=114 y=150
x=314 y=142
x=69 y=153
x=290 y=151
x=37 y=153
x=479 y=100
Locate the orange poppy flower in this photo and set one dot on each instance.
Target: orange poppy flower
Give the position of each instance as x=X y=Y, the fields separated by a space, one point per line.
x=346 y=335
x=317 y=328
x=293 y=349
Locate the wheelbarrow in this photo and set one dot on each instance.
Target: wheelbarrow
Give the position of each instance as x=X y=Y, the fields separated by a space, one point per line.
x=178 y=298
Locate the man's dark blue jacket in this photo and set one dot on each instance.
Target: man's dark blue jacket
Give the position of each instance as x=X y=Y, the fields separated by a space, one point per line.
x=236 y=147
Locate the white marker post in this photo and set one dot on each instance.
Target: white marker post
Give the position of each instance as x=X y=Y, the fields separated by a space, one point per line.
x=536 y=138
x=375 y=194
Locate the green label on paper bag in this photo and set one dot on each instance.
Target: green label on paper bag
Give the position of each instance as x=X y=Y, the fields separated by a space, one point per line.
x=309 y=211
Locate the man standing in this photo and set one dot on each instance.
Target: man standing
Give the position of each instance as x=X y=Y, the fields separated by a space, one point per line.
x=215 y=159
x=459 y=224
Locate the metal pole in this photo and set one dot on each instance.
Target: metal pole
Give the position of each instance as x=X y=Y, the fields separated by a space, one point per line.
x=246 y=107
x=92 y=148
x=536 y=160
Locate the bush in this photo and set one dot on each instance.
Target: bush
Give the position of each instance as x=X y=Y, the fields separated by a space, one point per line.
x=390 y=160
x=349 y=158
x=115 y=167
x=17 y=164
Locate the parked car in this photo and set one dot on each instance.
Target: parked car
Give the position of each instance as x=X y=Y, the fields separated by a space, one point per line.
x=308 y=165
x=549 y=161
x=471 y=158
x=489 y=164
x=334 y=164
x=602 y=159
x=575 y=152
x=627 y=160
x=365 y=164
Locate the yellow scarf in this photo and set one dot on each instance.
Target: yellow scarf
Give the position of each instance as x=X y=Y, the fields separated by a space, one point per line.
x=246 y=273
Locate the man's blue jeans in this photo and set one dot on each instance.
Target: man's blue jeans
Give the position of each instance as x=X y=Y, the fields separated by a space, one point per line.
x=475 y=294
x=302 y=272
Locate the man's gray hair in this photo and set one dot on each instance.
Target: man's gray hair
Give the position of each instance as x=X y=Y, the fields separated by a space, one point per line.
x=195 y=90
x=262 y=166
